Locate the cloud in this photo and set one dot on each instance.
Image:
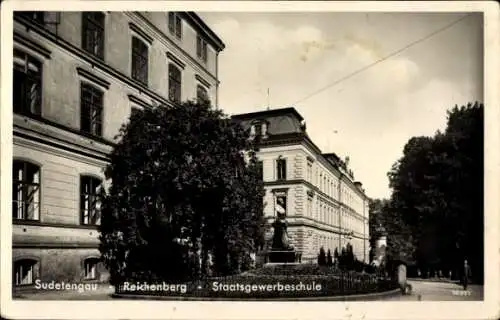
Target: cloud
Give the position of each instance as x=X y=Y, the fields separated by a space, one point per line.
x=375 y=112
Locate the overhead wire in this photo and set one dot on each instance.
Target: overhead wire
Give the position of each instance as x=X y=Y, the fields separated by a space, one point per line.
x=394 y=53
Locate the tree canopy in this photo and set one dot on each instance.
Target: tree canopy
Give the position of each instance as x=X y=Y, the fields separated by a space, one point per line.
x=185 y=190
x=436 y=207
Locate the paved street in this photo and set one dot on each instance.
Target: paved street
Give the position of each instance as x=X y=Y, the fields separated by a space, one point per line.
x=441 y=291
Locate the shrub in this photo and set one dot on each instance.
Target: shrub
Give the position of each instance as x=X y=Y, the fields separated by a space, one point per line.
x=322 y=257
x=329 y=261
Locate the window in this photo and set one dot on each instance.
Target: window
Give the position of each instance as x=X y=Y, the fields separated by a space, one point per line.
x=281 y=169
x=89 y=200
x=309 y=206
x=27 y=86
x=309 y=171
x=140 y=60
x=174 y=83
x=175 y=24
x=24 y=272
x=201 y=48
x=91 y=105
x=36 y=16
x=90 y=268
x=25 y=191
x=258 y=128
x=202 y=94
x=93 y=33
x=264 y=129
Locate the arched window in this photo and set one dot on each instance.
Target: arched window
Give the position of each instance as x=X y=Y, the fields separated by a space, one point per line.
x=90 y=268
x=202 y=94
x=90 y=205
x=25 y=191
x=24 y=272
x=174 y=83
x=27 y=87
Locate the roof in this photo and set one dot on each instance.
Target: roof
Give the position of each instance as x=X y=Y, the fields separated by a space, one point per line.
x=331 y=155
x=200 y=25
x=270 y=112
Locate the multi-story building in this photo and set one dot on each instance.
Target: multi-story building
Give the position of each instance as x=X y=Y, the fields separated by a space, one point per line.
x=323 y=204
x=78 y=76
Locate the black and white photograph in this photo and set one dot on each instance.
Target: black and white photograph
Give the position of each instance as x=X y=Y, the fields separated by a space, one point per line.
x=243 y=152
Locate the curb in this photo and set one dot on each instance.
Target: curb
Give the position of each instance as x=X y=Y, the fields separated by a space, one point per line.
x=363 y=297
x=437 y=280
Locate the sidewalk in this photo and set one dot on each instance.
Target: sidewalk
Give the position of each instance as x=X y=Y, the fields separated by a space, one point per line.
x=441 y=291
x=444 y=280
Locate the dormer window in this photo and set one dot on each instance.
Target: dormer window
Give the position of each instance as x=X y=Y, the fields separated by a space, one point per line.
x=258 y=128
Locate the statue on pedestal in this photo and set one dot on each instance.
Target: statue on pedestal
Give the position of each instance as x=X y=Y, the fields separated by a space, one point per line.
x=281 y=249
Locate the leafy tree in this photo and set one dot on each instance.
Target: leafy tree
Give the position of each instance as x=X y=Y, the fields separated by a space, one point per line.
x=322 y=257
x=438 y=192
x=185 y=186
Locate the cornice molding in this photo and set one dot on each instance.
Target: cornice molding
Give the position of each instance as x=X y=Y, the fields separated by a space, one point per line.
x=60 y=143
x=92 y=77
x=203 y=81
x=301 y=138
x=50 y=128
x=54 y=245
x=139 y=102
x=32 y=45
x=278 y=190
x=199 y=25
x=167 y=41
x=21 y=223
x=176 y=60
x=30 y=142
x=91 y=60
x=140 y=33
x=318 y=192
x=302 y=221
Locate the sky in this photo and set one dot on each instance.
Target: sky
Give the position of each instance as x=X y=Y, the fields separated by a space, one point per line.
x=371 y=115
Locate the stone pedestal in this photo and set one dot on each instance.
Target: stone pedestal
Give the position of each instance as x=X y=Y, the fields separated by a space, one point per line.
x=281 y=250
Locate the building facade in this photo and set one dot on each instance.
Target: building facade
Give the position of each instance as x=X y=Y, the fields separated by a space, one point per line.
x=77 y=77
x=323 y=204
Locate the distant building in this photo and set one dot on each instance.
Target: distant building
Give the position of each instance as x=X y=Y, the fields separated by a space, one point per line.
x=78 y=76
x=324 y=205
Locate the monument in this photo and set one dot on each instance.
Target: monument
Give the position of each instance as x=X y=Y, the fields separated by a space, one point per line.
x=281 y=249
